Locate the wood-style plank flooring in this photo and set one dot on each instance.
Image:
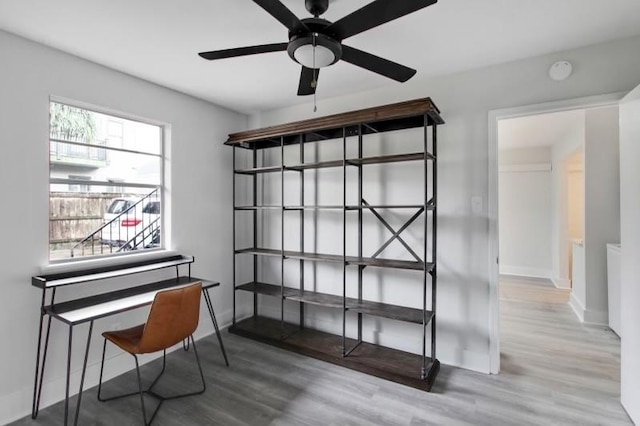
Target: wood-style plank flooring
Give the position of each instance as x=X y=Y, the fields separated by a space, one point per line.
x=555 y=371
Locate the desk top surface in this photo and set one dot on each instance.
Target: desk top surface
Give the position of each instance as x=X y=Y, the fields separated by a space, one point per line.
x=94 y=307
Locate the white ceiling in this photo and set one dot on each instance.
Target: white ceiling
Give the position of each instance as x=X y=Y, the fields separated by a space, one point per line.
x=158 y=40
x=540 y=130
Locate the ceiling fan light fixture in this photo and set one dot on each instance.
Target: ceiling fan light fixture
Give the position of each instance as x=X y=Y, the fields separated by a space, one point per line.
x=305 y=56
x=314 y=50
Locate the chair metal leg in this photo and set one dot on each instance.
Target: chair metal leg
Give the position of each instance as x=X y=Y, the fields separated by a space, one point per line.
x=164 y=366
x=149 y=390
x=144 y=412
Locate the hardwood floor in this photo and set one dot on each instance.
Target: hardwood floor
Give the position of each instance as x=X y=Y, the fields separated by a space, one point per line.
x=522 y=289
x=554 y=371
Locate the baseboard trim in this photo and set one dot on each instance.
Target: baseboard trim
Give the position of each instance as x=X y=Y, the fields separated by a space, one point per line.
x=523 y=271
x=561 y=282
x=577 y=307
x=594 y=317
x=588 y=316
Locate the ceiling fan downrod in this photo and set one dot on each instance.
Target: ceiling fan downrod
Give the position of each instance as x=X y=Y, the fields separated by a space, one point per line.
x=316 y=7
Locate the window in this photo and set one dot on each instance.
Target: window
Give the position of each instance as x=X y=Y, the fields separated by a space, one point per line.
x=105 y=183
x=78 y=187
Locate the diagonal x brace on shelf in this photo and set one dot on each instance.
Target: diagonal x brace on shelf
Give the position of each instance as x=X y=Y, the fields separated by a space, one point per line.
x=395 y=234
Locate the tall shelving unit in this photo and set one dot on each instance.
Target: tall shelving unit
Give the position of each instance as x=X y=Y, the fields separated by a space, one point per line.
x=418 y=370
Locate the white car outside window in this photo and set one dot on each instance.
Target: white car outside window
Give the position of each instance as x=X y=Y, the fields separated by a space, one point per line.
x=132 y=224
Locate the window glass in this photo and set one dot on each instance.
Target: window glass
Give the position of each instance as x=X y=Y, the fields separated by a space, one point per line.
x=105 y=183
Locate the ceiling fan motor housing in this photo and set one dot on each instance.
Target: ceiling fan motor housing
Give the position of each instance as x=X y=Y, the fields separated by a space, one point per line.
x=316 y=7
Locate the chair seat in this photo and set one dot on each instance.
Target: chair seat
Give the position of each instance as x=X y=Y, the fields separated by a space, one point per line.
x=127 y=339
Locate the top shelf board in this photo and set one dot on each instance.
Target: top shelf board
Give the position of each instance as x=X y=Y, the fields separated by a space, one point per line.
x=403 y=115
x=94 y=274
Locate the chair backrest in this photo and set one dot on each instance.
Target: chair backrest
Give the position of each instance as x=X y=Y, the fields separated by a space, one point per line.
x=173 y=317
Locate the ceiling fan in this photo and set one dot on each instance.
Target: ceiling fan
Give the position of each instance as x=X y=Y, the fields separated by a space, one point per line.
x=316 y=43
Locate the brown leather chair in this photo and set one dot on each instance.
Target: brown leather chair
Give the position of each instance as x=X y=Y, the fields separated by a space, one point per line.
x=173 y=318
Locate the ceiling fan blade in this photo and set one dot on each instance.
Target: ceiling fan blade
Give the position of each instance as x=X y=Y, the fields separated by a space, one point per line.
x=279 y=11
x=377 y=64
x=374 y=14
x=308 y=83
x=243 y=51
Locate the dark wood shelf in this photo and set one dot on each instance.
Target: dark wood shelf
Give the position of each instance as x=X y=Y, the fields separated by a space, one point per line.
x=264 y=288
x=379 y=159
x=336 y=207
x=402 y=115
x=391 y=158
x=390 y=364
x=351 y=260
x=253 y=171
x=314 y=298
x=385 y=310
x=318 y=165
x=389 y=263
x=356 y=207
x=257 y=207
x=389 y=206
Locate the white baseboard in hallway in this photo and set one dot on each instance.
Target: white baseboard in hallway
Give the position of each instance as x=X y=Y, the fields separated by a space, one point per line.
x=577 y=307
x=561 y=282
x=525 y=271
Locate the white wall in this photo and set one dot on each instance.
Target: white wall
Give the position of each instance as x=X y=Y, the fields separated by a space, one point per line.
x=579 y=282
x=630 y=254
x=525 y=211
x=465 y=100
x=574 y=171
x=561 y=241
x=602 y=205
x=200 y=191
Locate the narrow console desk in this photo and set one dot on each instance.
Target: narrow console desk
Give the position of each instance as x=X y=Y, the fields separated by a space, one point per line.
x=89 y=309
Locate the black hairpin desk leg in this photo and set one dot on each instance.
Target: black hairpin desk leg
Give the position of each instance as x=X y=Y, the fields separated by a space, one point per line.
x=207 y=299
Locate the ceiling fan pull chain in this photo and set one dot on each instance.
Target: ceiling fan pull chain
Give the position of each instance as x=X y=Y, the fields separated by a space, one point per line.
x=314 y=82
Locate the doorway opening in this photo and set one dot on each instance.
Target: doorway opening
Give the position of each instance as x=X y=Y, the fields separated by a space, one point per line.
x=545 y=180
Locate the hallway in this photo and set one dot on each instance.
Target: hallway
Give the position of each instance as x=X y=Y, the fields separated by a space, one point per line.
x=545 y=346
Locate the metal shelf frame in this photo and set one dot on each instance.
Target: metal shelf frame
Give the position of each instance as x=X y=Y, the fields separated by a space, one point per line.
x=428 y=120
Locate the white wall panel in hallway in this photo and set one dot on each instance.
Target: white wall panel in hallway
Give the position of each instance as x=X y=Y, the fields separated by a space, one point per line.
x=630 y=266
x=525 y=212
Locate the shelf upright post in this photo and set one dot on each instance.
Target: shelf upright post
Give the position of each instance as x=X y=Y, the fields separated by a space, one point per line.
x=425 y=160
x=255 y=227
x=344 y=240
x=360 y=254
x=301 y=304
x=233 y=204
x=434 y=233
x=282 y=233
